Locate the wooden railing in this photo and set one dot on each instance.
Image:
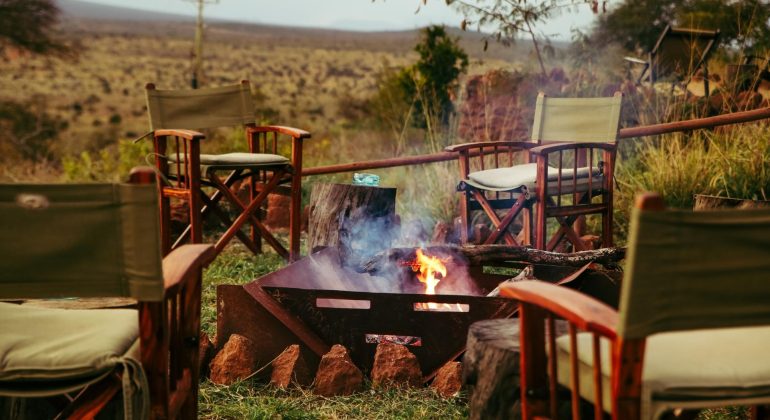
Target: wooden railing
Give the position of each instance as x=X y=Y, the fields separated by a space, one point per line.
x=642 y=131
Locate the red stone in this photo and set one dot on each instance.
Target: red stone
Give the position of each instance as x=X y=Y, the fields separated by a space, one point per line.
x=278 y=211
x=395 y=365
x=337 y=375
x=449 y=380
x=290 y=367
x=235 y=362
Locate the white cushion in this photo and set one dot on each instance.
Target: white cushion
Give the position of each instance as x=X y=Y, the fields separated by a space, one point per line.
x=515 y=177
x=710 y=366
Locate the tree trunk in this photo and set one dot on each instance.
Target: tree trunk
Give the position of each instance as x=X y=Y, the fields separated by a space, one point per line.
x=357 y=220
x=491 y=368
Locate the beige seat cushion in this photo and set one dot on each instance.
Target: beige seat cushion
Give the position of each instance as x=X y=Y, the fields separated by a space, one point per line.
x=49 y=351
x=514 y=177
x=238 y=160
x=710 y=366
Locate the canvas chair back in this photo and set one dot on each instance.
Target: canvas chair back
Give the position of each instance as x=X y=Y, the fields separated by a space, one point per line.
x=223 y=106
x=576 y=120
x=698 y=270
x=86 y=240
x=680 y=51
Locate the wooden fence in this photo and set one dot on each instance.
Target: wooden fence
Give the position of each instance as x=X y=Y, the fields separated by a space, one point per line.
x=641 y=131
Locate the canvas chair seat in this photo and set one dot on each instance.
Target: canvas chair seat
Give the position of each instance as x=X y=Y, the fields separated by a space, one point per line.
x=515 y=177
x=238 y=161
x=46 y=351
x=715 y=367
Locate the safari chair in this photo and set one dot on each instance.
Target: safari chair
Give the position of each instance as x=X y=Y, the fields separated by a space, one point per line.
x=183 y=171
x=677 y=55
x=573 y=144
x=691 y=332
x=96 y=240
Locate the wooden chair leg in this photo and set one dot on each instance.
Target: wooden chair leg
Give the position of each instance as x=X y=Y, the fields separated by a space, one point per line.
x=248 y=212
x=295 y=217
x=490 y=212
x=465 y=217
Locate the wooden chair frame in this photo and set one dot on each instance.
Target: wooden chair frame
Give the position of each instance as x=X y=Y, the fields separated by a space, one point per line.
x=472 y=155
x=540 y=305
x=187 y=185
x=545 y=202
x=168 y=332
x=570 y=217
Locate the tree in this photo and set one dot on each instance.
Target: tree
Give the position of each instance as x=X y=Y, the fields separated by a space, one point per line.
x=637 y=24
x=436 y=73
x=28 y=25
x=509 y=18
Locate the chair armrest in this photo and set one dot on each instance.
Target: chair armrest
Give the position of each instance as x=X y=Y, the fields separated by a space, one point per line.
x=555 y=147
x=185 y=134
x=585 y=312
x=180 y=265
x=476 y=145
x=289 y=131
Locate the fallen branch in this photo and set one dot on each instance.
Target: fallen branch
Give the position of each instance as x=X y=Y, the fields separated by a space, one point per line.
x=481 y=254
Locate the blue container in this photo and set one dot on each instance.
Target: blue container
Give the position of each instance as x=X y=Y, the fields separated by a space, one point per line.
x=369 y=180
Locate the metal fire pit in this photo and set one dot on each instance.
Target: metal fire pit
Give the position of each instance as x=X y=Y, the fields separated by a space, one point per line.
x=319 y=303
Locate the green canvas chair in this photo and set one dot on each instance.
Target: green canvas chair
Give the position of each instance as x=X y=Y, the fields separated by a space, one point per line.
x=96 y=240
x=572 y=146
x=692 y=330
x=183 y=170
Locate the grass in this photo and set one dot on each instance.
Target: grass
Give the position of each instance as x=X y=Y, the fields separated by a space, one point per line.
x=253 y=400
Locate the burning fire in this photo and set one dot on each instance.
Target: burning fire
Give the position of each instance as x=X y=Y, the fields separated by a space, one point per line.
x=427 y=268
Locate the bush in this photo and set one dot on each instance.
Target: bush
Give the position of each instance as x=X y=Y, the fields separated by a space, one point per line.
x=109 y=164
x=731 y=162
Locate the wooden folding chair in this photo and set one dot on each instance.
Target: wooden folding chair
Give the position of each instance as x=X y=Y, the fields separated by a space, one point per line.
x=183 y=171
x=677 y=55
x=691 y=332
x=573 y=143
x=96 y=240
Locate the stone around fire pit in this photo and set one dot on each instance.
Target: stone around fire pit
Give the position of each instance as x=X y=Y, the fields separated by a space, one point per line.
x=235 y=362
x=337 y=375
x=395 y=365
x=290 y=367
x=449 y=380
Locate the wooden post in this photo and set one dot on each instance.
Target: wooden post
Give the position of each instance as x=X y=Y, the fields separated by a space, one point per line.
x=357 y=220
x=491 y=368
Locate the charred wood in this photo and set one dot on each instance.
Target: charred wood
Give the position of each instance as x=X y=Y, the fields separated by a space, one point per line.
x=483 y=254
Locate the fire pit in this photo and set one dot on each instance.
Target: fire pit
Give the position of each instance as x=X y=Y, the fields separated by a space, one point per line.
x=317 y=300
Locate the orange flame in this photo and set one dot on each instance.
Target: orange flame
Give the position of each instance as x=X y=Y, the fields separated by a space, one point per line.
x=428 y=267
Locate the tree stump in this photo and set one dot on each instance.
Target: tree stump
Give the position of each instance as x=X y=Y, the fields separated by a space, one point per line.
x=357 y=220
x=491 y=368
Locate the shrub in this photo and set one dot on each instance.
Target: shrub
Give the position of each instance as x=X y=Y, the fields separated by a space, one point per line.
x=731 y=162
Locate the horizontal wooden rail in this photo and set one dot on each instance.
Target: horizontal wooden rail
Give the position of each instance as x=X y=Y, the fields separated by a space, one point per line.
x=642 y=131
x=696 y=124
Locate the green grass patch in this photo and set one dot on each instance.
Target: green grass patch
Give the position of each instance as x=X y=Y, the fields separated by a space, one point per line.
x=253 y=400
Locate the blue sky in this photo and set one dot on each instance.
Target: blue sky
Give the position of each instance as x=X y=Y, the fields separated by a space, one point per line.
x=342 y=14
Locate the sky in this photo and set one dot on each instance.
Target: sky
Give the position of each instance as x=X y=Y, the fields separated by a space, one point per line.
x=362 y=15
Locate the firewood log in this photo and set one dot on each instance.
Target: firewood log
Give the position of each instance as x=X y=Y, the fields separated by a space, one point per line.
x=481 y=254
